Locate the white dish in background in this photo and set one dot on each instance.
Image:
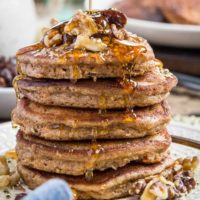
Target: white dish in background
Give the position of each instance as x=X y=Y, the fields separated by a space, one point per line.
x=7 y=102
x=176 y=35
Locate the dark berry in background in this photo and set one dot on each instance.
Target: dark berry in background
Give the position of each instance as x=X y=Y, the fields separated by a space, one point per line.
x=7 y=71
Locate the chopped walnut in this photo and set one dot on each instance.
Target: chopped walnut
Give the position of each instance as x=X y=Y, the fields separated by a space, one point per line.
x=45 y=30
x=156 y=188
x=178 y=167
x=52 y=37
x=87 y=27
x=54 y=21
x=138 y=187
x=172 y=183
x=160 y=188
x=81 y=24
x=8 y=176
x=4 y=181
x=4 y=170
x=190 y=163
x=120 y=34
x=14 y=179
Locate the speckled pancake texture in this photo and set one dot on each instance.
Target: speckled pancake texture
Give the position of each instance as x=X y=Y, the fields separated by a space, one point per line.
x=148 y=89
x=58 y=123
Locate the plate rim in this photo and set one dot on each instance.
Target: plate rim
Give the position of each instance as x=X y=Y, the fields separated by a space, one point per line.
x=185 y=28
x=6 y=90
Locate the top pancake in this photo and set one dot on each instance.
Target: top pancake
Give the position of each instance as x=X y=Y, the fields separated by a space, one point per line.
x=109 y=51
x=56 y=63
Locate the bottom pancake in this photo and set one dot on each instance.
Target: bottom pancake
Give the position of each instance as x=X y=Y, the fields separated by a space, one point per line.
x=109 y=184
x=78 y=158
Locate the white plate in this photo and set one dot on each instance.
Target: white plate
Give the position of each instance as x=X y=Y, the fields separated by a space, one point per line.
x=7 y=137
x=7 y=141
x=176 y=35
x=7 y=102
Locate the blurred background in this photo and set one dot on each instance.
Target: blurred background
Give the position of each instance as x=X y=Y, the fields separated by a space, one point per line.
x=173 y=31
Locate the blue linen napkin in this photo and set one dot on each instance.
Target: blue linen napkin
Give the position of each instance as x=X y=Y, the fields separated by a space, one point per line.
x=54 y=189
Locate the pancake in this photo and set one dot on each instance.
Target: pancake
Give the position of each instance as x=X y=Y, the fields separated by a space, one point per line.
x=58 y=123
x=109 y=184
x=182 y=11
x=46 y=63
x=81 y=157
x=93 y=44
x=151 y=88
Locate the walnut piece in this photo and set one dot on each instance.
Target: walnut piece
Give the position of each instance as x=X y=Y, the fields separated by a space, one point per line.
x=4 y=170
x=120 y=34
x=8 y=177
x=172 y=184
x=81 y=24
x=156 y=188
x=52 y=37
x=54 y=21
x=4 y=181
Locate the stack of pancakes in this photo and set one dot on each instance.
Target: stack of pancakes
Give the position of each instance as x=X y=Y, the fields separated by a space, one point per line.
x=92 y=108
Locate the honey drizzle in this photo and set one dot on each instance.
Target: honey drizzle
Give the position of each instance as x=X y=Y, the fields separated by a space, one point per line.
x=15 y=80
x=158 y=63
x=75 y=194
x=14 y=125
x=11 y=154
x=128 y=84
x=129 y=116
x=102 y=103
x=95 y=150
x=75 y=72
x=120 y=52
x=19 y=69
x=125 y=53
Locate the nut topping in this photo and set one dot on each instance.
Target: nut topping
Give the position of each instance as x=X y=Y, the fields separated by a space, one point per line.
x=81 y=24
x=4 y=181
x=8 y=176
x=4 y=170
x=52 y=37
x=54 y=21
x=120 y=34
x=86 y=30
x=172 y=183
